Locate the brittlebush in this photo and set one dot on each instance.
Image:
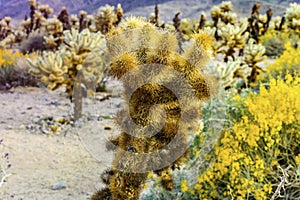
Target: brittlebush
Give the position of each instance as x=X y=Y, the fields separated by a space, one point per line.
x=288 y=61
x=8 y=57
x=248 y=154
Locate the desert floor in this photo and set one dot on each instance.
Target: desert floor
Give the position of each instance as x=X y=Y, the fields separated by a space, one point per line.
x=62 y=164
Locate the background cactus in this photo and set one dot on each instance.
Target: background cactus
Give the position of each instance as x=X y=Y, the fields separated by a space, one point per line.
x=152 y=48
x=106 y=18
x=254 y=54
x=81 y=58
x=223 y=13
x=292 y=17
x=231 y=38
x=229 y=73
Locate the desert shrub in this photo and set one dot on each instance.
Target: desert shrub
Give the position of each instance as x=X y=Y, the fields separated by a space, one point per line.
x=12 y=72
x=267 y=135
x=289 y=62
x=34 y=42
x=274 y=47
x=262 y=133
x=274 y=41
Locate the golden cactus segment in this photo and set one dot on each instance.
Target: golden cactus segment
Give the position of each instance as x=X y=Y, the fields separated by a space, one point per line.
x=123 y=64
x=163 y=46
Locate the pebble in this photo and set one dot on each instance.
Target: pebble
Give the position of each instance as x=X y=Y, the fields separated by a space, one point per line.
x=60 y=185
x=54 y=102
x=29 y=127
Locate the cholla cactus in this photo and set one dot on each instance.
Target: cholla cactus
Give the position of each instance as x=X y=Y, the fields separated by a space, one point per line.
x=74 y=21
x=202 y=21
x=292 y=17
x=119 y=13
x=134 y=44
x=223 y=13
x=82 y=53
x=186 y=27
x=228 y=74
x=254 y=54
x=63 y=17
x=46 y=10
x=106 y=18
x=52 y=28
x=232 y=37
x=9 y=40
x=276 y=24
x=5 y=27
x=82 y=20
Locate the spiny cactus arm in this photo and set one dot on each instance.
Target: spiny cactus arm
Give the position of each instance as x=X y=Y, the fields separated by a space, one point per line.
x=51 y=68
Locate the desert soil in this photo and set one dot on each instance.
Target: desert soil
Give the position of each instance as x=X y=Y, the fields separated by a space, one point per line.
x=73 y=157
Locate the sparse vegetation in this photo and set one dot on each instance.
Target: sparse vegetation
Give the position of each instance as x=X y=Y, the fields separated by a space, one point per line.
x=239 y=128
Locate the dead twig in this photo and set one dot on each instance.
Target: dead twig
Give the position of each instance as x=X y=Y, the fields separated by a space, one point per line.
x=282 y=182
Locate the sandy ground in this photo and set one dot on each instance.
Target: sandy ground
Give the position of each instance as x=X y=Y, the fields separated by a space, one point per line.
x=40 y=161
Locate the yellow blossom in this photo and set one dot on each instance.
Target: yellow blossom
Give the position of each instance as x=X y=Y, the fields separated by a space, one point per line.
x=184 y=186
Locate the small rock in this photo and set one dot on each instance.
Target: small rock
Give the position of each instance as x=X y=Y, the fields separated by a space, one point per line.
x=54 y=102
x=29 y=127
x=45 y=131
x=92 y=118
x=107 y=128
x=60 y=185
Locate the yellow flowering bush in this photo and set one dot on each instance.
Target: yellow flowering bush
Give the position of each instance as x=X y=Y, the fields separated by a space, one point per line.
x=288 y=61
x=11 y=73
x=247 y=155
x=261 y=133
x=8 y=57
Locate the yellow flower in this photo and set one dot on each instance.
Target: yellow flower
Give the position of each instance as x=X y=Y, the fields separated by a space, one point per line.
x=150 y=175
x=184 y=186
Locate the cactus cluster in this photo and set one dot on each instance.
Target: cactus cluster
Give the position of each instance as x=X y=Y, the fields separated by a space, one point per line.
x=259 y=24
x=229 y=73
x=40 y=23
x=140 y=52
x=80 y=58
x=245 y=68
x=292 y=17
x=254 y=54
x=107 y=17
x=6 y=35
x=223 y=13
x=231 y=38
